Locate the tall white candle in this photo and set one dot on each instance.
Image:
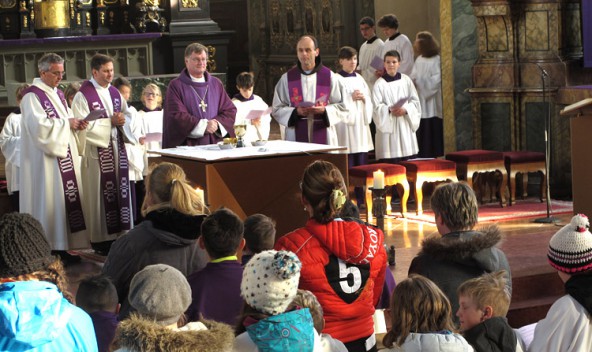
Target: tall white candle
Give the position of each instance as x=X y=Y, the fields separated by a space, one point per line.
x=378 y=179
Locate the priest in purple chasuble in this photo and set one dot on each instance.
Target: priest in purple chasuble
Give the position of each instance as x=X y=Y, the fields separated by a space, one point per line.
x=197 y=109
x=105 y=168
x=307 y=100
x=50 y=176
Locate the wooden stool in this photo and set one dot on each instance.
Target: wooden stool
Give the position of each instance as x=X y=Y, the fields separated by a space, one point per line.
x=469 y=162
x=524 y=162
x=361 y=176
x=421 y=171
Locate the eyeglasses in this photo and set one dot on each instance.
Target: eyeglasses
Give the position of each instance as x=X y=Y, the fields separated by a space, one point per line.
x=151 y=94
x=57 y=73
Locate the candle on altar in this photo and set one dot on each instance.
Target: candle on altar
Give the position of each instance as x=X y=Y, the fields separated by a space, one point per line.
x=200 y=193
x=378 y=179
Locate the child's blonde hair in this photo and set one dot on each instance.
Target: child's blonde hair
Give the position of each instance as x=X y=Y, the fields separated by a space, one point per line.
x=307 y=299
x=417 y=305
x=488 y=290
x=167 y=186
x=151 y=87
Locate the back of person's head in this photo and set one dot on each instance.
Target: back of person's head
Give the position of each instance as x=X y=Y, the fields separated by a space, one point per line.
x=167 y=186
x=222 y=233
x=427 y=45
x=457 y=204
x=350 y=210
x=99 y=60
x=307 y=299
x=346 y=52
x=25 y=254
x=97 y=293
x=392 y=53
x=570 y=249
x=121 y=82
x=71 y=91
x=488 y=290
x=388 y=21
x=160 y=293
x=197 y=48
x=368 y=21
x=259 y=233
x=323 y=188
x=270 y=281
x=417 y=305
x=245 y=80
x=20 y=92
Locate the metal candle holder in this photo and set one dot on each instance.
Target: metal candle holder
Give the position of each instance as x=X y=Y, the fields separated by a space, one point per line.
x=379 y=206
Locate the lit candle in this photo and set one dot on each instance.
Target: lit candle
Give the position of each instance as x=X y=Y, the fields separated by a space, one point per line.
x=200 y=193
x=378 y=179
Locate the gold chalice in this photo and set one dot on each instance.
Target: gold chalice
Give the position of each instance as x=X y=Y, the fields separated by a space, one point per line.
x=240 y=131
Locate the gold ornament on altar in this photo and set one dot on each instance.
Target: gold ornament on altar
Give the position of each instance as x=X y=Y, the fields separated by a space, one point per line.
x=52 y=14
x=191 y=4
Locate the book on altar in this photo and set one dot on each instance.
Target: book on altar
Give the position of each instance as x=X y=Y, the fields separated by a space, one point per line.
x=400 y=103
x=377 y=63
x=95 y=115
x=255 y=114
x=153 y=137
x=320 y=101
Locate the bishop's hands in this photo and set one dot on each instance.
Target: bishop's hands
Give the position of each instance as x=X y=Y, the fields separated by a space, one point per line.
x=212 y=126
x=77 y=124
x=118 y=119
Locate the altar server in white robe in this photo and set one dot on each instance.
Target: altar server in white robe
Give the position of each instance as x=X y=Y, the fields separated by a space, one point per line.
x=370 y=49
x=151 y=118
x=397 y=41
x=397 y=113
x=105 y=167
x=50 y=182
x=307 y=99
x=10 y=144
x=245 y=102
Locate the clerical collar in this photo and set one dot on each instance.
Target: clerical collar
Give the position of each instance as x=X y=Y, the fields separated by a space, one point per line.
x=345 y=74
x=202 y=79
x=17 y=111
x=371 y=40
x=394 y=36
x=97 y=85
x=240 y=97
x=389 y=78
x=145 y=109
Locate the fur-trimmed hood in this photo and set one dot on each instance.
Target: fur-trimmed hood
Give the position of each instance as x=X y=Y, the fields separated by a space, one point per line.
x=465 y=246
x=139 y=334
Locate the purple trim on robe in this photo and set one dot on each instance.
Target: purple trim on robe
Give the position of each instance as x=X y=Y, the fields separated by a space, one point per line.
x=66 y=165
x=182 y=112
x=346 y=74
x=145 y=109
x=390 y=78
x=323 y=89
x=371 y=40
x=240 y=97
x=114 y=178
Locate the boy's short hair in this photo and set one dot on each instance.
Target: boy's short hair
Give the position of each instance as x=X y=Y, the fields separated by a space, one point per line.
x=489 y=289
x=346 y=52
x=307 y=299
x=121 y=82
x=245 y=80
x=97 y=293
x=457 y=204
x=222 y=233
x=388 y=21
x=259 y=233
x=367 y=20
x=392 y=53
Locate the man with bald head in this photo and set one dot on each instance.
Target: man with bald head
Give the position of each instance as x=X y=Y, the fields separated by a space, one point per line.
x=307 y=99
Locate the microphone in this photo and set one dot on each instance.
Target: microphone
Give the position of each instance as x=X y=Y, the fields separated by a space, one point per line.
x=543 y=71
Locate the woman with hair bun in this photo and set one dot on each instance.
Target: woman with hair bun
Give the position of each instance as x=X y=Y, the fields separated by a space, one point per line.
x=173 y=213
x=343 y=262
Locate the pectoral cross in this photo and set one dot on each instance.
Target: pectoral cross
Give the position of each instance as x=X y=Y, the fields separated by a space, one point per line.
x=203 y=106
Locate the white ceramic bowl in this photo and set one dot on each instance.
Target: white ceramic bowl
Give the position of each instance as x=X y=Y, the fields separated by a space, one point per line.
x=221 y=145
x=259 y=143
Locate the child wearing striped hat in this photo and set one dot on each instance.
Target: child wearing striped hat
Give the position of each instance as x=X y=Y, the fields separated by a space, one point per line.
x=567 y=326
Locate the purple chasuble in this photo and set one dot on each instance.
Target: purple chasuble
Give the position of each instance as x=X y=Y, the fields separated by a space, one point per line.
x=66 y=165
x=115 y=190
x=323 y=89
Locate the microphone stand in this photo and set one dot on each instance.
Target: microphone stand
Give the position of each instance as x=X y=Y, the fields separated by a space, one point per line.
x=549 y=219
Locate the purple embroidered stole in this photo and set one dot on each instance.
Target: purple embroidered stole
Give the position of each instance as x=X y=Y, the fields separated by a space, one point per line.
x=115 y=190
x=323 y=89
x=66 y=166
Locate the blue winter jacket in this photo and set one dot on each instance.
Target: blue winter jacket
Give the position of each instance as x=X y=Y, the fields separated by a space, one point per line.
x=34 y=316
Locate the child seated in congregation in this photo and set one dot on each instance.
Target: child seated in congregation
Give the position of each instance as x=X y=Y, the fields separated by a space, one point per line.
x=567 y=326
x=215 y=289
x=245 y=101
x=483 y=304
x=421 y=318
x=306 y=299
x=259 y=235
x=269 y=285
x=97 y=296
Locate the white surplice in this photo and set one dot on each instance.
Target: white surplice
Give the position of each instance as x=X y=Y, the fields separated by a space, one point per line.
x=403 y=45
x=282 y=111
x=354 y=132
x=243 y=108
x=427 y=77
x=99 y=133
x=367 y=53
x=395 y=135
x=41 y=194
x=10 y=144
x=135 y=151
x=152 y=122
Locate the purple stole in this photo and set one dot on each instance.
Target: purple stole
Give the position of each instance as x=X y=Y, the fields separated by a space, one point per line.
x=323 y=89
x=116 y=191
x=66 y=166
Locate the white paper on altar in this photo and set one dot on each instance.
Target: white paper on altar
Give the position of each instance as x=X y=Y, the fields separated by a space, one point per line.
x=212 y=152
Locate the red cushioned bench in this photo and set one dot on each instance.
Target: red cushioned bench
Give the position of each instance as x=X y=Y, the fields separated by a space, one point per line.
x=523 y=162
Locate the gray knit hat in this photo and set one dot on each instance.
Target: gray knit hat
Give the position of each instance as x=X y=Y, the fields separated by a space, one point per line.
x=160 y=292
x=23 y=246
